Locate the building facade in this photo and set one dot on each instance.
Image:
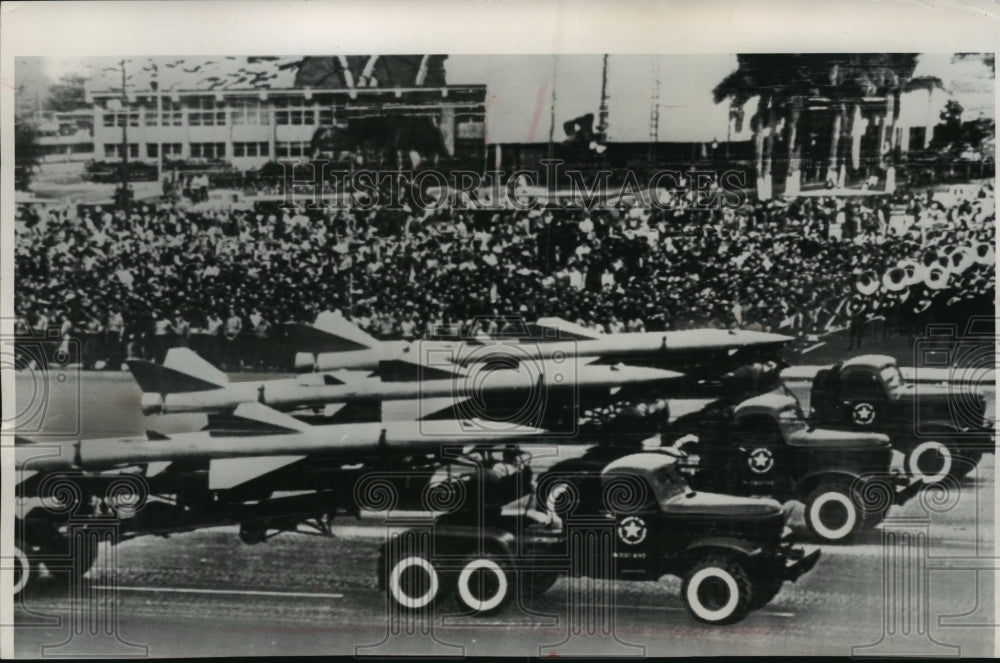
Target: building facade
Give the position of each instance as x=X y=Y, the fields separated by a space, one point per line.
x=250 y=127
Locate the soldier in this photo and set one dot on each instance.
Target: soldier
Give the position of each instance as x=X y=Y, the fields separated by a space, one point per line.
x=857 y=309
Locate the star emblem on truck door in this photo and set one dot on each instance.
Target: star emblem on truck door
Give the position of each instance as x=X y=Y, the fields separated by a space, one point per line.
x=632 y=530
x=761 y=460
x=864 y=414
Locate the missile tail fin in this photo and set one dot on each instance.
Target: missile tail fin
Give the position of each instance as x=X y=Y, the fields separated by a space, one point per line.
x=331 y=332
x=557 y=329
x=183 y=371
x=336 y=325
x=398 y=370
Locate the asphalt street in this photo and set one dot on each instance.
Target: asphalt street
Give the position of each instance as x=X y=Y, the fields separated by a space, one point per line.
x=206 y=594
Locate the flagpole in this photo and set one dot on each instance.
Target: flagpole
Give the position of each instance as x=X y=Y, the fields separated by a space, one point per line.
x=552 y=109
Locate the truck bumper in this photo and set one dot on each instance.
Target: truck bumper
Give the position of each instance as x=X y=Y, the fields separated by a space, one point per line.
x=794 y=568
x=904 y=491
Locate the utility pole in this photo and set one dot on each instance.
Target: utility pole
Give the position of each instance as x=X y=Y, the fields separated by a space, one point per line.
x=552 y=109
x=654 y=113
x=159 y=124
x=124 y=199
x=602 y=122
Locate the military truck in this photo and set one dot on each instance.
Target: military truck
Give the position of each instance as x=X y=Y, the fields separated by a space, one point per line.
x=764 y=446
x=939 y=429
x=732 y=553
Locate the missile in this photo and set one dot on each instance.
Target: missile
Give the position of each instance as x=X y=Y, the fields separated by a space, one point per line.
x=187 y=383
x=336 y=343
x=263 y=433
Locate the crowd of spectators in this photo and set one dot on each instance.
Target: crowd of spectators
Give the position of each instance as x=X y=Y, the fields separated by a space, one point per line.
x=134 y=283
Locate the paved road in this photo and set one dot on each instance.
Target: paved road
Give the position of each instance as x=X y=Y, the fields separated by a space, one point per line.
x=206 y=594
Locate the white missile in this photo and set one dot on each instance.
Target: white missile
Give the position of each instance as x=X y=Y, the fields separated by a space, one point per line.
x=346 y=346
x=266 y=433
x=187 y=383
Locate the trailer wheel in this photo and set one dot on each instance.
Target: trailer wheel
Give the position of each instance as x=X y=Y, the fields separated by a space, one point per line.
x=414 y=583
x=25 y=571
x=930 y=461
x=484 y=584
x=717 y=591
x=831 y=512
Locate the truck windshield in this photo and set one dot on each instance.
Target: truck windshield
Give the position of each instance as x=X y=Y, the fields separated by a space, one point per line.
x=892 y=378
x=670 y=482
x=793 y=417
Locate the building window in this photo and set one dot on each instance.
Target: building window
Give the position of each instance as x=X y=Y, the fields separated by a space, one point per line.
x=325 y=117
x=114 y=150
x=208 y=150
x=118 y=119
x=204 y=112
x=249 y=112
x=207 y=119
x=169 y=149
x=293 y=149
x=295 y=116
x=172 y=114
x=250 y=149
x=150 y=119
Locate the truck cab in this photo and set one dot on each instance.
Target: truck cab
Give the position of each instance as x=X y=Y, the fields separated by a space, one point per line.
x=869 y=393
x=764 y=446
x=768 y=448
x=732 y=553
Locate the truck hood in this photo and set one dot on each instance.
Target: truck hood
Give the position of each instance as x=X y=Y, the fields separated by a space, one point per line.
x=720 y=506
x=836 y=439
x=909 y=392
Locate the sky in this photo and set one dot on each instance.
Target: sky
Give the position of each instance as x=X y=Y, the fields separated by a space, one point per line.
x=519 y=92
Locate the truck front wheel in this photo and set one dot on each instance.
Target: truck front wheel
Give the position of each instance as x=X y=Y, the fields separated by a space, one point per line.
x=929 y=461
x=831 y=512
x=717 y=591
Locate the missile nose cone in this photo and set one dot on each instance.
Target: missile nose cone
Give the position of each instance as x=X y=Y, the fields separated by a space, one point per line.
x=760 y=338
x=644 y=374
x=151 y=404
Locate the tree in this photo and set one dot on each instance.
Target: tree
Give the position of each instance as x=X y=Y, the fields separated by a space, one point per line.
x=949 y=131
x=68 y=94
x=782 y=81
x=25 y=152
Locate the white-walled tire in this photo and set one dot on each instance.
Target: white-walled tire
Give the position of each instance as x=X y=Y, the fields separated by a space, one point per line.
x=717 y=591
x=832 y=514
x=24 y=572
x=414 y=583
x=929 y=461
x=484 y=585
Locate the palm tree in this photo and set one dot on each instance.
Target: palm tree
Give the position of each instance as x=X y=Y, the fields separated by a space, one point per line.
x=783 y=81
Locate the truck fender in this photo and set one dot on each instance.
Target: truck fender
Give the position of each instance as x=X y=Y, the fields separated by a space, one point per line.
x=930 y=429
x=729 y=544
x=808 y=483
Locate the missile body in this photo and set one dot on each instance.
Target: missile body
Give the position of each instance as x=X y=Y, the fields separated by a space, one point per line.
x=298 y=439
x=624 y=347
x=319 y=389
